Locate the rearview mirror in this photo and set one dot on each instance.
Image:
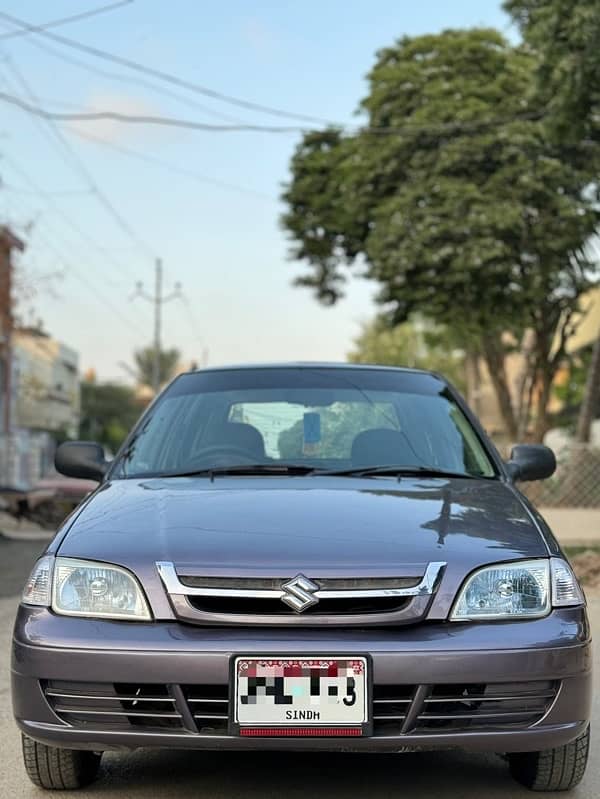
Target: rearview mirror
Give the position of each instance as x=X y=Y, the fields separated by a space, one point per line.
x=531 y=462
x=82 y=459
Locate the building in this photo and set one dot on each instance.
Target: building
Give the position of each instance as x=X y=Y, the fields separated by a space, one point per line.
x=46 y=383
x=8 y=243
x=44 y=406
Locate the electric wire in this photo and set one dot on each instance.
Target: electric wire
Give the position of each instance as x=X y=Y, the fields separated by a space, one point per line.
x=150 y=119
x=161 y=75
x=84 y=173
x=72 y=269
x=92 y=12
x=106 y=256
x=174 y=168
x=132 y=80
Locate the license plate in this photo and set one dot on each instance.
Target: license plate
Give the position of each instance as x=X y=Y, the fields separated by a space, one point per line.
x=311 y=696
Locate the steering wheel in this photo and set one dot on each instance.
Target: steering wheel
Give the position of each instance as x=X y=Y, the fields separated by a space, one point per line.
x=224 y=449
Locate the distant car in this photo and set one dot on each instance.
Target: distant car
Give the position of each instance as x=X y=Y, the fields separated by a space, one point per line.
x=324 y=557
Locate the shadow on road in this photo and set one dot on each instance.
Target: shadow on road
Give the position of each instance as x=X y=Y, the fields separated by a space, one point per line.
x=295 y=775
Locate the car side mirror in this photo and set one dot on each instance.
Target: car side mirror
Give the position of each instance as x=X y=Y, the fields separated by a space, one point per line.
x=531 y=462
x=82 y=459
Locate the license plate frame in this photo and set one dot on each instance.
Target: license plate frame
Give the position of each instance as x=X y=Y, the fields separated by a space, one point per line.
x=322 y=729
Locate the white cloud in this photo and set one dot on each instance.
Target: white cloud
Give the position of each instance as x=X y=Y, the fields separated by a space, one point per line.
x=112 y=130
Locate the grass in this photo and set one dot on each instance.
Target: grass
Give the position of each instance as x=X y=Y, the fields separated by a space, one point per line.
x=572 y=551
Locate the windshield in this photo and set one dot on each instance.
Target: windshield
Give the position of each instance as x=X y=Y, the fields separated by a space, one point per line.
x=322 y=418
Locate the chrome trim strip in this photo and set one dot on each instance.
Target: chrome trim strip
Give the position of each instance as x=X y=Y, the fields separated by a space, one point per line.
x=171 y=581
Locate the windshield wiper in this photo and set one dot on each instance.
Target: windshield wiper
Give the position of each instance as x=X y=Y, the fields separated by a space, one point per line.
x=390 y=469
x=246 y=468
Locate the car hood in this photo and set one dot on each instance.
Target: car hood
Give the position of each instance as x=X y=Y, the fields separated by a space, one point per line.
x=321 y=526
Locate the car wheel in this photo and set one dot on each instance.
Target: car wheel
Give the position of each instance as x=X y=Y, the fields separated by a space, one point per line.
x=557 y=769
x=58 y=769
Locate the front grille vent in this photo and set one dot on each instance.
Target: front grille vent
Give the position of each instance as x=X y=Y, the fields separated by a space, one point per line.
x=398 y=710
x=209 y=706
x=113 y=705
x=275 y=607
x=481 y=706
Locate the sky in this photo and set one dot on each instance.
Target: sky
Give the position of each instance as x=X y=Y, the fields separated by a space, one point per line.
x=95 y=218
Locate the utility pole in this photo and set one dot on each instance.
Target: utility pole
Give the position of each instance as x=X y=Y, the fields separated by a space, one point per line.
x=157 y=301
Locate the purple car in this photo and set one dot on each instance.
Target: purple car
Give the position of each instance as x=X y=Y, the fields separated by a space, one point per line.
x=306 y=557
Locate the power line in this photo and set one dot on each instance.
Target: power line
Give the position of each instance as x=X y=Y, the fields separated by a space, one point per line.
x=80 y=167
x=174 y=168
x=50 y=202
x=161 y=75
x=66 y=20
x=50 y=193
x=98 y=296
x=133 y=80
x=149 y=119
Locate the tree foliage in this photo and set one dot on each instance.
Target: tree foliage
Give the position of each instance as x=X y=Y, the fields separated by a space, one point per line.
x=454 y=199
x=108 y=412
x=417 y=344
x=566 y=36
x=144 y=364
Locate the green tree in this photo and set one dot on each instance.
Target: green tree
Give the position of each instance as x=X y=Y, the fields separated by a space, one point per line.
x=144 y=364
x=455 y=200
x=416 y=343
x=108 y=412
x=566 y=36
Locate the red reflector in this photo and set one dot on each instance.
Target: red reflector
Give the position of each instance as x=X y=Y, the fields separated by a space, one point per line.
x=294 y=732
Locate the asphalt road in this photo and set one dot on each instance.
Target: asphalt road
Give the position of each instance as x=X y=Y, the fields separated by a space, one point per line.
x=161 y=775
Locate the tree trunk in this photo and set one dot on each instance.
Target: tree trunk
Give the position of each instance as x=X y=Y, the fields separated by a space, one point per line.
x=473 y=381
x=493 y=352
x=590 y=398
x=543 y=399
x=525 y=384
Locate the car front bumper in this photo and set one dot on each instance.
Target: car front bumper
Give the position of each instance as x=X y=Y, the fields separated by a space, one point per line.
x=412 y=662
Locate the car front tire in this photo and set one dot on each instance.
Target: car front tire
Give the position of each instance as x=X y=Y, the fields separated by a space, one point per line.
x=58 y=769
x=557 y=769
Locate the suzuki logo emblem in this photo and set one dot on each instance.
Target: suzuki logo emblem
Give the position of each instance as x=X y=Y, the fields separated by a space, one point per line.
x=299 y=593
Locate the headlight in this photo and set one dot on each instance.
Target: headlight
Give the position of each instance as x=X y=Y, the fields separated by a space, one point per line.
x=86 y=588
x=519 y=590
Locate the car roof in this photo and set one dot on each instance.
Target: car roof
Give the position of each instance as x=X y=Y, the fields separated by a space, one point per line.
x=315 y=365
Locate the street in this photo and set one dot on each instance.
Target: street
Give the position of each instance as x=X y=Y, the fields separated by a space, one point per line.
x=179 y=774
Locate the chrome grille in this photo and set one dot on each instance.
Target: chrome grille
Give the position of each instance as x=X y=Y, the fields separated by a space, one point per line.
x=325 y=583
x=302 y=599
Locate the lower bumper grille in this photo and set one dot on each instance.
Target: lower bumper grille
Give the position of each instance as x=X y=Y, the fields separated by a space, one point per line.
x=113 y=705
x=398 y=710
x=461 y=707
